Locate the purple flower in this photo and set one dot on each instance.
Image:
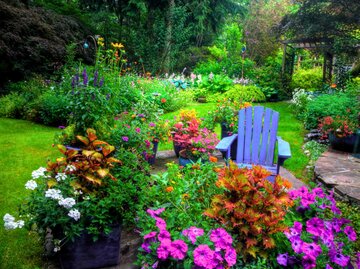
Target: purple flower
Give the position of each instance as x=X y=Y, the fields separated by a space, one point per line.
x=308 y=262
x=311 y=249
x=163 y=235
x=337 y=223
x=164 y=249
x=295 y=230
x=148 y=239
x=296 y=244
x=318 y=192
x=203 y=256
x=335 y=210
x=85 y=77
x=338 y=258
x=141 y=115
x=315 y=226
x=125 y=138
x=160 y=223
x=328 y=267
x=327 y=238
x=282 y=259
x=73 y=83
x=178 y=249
x=192 y=233
x=221 y=238
x=230 y=256
x=307 y=199
x=101 y=83
x=61 y=127
x=155 y=213
x=137 y=129
x=151 y=124
x=349 y=231
x=358 y=259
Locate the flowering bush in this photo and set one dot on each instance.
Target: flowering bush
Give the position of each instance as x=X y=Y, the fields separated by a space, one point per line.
x=341 y=126
x=226 y=112
x=320 y=237
x=192 y=247
x=251 y=207
x=195 y=142
x=74 y=194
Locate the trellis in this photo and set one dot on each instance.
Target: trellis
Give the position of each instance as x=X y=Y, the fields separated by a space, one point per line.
x=289 y=49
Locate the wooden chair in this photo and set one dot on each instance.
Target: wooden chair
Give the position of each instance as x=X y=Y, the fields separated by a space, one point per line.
x=257 y=139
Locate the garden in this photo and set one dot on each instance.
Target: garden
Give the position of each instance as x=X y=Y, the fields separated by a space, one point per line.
x=85 y=116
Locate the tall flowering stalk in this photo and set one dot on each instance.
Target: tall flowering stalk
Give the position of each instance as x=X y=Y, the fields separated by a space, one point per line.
x=192 y=247
x=321 y=236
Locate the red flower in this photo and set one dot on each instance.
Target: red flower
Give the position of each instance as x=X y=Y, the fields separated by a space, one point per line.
x=163 y=100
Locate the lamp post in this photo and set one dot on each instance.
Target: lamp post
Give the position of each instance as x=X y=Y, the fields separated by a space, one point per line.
x=243 y=49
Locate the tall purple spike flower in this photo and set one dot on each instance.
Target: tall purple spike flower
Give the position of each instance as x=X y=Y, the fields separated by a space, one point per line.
x=101 y=83
x=73 y=83
x=85 y=77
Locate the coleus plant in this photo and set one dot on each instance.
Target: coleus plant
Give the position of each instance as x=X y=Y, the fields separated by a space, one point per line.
x=251 y=207
x=91 y=163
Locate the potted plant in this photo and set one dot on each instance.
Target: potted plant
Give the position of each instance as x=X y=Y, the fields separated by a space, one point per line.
x=75 y=204
x=340 y=130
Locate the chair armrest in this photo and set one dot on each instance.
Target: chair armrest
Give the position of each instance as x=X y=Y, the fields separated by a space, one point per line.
x=283 y=149
x=225 y=143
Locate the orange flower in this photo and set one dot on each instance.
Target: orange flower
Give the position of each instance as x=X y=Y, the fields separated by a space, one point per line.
x=163 y=100
x=169 y=189
x=333 y=85
x=213 y=159
x=186 y=196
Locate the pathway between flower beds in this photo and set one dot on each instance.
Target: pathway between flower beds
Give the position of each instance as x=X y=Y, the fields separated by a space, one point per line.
x=341 y=171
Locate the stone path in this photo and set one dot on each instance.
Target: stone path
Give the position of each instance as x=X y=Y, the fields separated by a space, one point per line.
x=341 y=171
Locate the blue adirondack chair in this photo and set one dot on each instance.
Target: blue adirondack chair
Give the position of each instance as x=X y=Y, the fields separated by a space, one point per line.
x=257 y=139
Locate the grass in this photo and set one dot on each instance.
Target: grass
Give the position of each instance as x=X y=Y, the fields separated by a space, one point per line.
x=25 y=146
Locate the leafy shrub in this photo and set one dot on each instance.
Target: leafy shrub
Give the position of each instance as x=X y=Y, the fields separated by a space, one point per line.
x=351 y=212
x=245 y=93
x=215 y=83
x=330 y=105
x=308 y=79
x=314 y=150
x=300 y=101
x=12 y=105
x=251 y=207
x=271 y=94
x=53 y=108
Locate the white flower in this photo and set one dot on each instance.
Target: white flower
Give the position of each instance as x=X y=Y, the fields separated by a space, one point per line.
x=31 y=185
x=8 y=218
x=70 y=168
x=75 y=214
x=67 y=202
x=38 y=173
x=56 y=249
x=53 y=194
x=60 y=176
x=11 y=224
x=77 y=192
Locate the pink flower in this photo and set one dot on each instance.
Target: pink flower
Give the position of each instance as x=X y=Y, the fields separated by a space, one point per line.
x=178 y=250
x=155 y=213
x=192 y=233
x=160 y=223
x=315 y=226
x=349 y=231
x=339 y=258
x=221 y=238
x=151 y=124
x=318 y=192
x=311 y=249
x=308 y=262
x=125 y=138
x=164 y=249
x=148 y=239
x=296 y=244
x=163 y=235
x=138 y=130
x=203 y=256
x=230 y=256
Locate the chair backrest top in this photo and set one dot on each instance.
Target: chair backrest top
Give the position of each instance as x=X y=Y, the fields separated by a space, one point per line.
x=257 y=135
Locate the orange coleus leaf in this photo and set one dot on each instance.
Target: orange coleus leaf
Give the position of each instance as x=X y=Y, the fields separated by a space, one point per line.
x=93 y=179
x=250 y=242
x=102 y=172
x=91 y=133
x=268 y=242
x=83 y=139
x=252 y=251
x=229 y=206
x=62 y=148
x=99 y=143
x=245 y=229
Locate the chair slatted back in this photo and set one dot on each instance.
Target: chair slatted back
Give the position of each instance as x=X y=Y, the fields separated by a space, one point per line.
x=257 y=135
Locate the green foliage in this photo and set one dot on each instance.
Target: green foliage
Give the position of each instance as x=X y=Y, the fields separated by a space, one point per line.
x=308 y=79
x=215 y=83
x=300 y=101
x=351 y=212
x=245 y=93
x=53 y=108
x=12 y=105
x=330 y=105
x=314 y=150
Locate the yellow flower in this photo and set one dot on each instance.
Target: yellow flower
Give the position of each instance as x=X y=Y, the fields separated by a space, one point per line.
x=186 y=196
x=117 y=45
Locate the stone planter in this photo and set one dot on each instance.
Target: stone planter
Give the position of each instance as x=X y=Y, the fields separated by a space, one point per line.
x=84 y=253
x=346 y=143
x=151 y=160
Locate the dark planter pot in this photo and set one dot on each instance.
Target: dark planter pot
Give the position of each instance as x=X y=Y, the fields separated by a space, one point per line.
x=151 y=160
x=184 y=161
x=177 y=149
x=84 y=253
x=225 y=133
x=346 y=143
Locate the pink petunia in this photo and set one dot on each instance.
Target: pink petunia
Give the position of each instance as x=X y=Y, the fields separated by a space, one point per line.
x=192 y=233
x=160 y=223
x=163 y=235
x=349 y=231
x=230 y=256
x=220 y=238
x=311 y=249
x=155 y=213
x=179 y=249
x=315 y=226
x=164 y=249
x=203 y=256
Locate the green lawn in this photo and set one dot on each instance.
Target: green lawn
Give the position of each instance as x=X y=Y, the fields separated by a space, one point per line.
x=25 y=146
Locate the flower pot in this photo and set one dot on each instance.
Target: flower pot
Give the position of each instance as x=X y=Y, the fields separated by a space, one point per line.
x=84 y=253
x=225 y=133
x=177 y=149
x=152 y=158
x=184 y=161
x=346 y=143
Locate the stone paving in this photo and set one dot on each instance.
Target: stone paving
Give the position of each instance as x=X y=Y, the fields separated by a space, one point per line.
x=341 y=171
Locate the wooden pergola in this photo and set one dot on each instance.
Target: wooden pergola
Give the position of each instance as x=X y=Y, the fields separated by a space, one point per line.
x=290 y=46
